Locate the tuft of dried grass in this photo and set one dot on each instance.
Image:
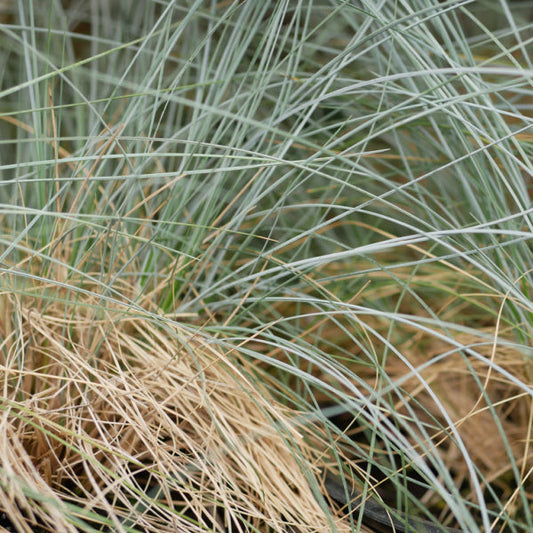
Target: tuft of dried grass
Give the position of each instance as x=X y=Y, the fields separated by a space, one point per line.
x=126 y=420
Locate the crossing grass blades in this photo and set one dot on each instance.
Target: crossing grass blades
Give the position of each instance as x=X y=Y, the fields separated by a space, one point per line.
x=265 y=266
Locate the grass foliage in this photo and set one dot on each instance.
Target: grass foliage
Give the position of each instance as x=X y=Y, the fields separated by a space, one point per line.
x=241 y=242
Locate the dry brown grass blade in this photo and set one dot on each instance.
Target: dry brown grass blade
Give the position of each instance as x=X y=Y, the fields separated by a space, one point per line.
x=148 y=426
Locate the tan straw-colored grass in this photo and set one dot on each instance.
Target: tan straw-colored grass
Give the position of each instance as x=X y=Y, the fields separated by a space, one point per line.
x=123 y=417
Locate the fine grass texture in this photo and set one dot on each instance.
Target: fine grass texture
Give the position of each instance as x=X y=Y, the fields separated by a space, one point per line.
x=242 y=243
